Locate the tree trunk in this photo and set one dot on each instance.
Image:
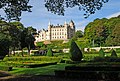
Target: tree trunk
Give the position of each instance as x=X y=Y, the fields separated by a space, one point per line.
x=13 y=51
x=22 y=53
x=29 y=50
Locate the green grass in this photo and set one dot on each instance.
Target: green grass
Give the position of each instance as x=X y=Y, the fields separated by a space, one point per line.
x=47 y=70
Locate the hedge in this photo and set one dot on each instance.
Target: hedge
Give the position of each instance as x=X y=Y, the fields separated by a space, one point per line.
x=5 y=68
x=42 y=58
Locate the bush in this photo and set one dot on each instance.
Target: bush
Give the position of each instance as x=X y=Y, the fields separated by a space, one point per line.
x=101 y=53
x=37 y=58
x=113 y=54
x=106 y=59
x=75 y=52
x=5 y=68
x=49 y=52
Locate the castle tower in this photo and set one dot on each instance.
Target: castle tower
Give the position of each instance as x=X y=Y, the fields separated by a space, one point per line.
x=49 y=31
x=72 y=25
x=71 y=29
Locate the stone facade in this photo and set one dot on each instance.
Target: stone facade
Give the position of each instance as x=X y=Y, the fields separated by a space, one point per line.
x=59 y=32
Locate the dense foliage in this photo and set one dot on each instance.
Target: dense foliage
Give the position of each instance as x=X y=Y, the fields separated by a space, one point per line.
x=89 y=6
x=14 y=8
x=15 y=36
x=75 y=52
x=103 y=32
x=4 y=45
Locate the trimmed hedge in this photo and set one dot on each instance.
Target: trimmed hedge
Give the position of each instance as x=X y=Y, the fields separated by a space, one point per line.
x=42 y=58
x=40 y=65
x=5 y=68
x=106 y=59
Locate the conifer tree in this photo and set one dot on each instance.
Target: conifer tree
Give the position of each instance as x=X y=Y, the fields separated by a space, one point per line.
x=75 y=52
x=113 y=54
x=49 y=52
x=101 y=53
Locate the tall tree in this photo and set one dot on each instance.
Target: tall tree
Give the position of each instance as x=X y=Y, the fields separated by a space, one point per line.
x=97 y=32
x=27 y=40
x=114 y=38
x=4 y=45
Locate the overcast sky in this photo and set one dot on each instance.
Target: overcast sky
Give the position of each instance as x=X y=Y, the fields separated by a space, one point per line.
x=39 y=17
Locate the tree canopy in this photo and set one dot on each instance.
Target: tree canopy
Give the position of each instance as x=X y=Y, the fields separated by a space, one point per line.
x=103 y=32
x=14 y=8
x=15 y=36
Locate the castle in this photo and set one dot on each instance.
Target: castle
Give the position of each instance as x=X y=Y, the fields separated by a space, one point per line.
x=59 y=32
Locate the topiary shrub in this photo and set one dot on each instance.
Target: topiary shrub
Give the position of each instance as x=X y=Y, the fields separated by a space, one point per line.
x=75 y=52
x=113 y=54
x=101 y=53
x=49 y=52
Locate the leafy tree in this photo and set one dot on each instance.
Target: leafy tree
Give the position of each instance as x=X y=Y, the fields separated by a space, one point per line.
x=97 y=32
x=32 y=30
x=101 y=53
x=114 y=37
x=4 y=45
x=89 y=6
x=113 y=54
x=27 y=40
x=49 y=52
x=79 y=34
x=75 y=52
x=14 y=8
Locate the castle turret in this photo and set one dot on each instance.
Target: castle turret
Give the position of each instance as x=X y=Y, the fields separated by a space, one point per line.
x=72 y=25
x=49 y=30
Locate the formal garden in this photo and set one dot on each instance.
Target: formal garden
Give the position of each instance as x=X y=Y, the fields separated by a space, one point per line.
x=75 y=64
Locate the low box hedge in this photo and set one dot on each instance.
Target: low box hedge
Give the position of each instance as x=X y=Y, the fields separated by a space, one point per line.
x=31 y=64
x=5 y=68
x=39 y=65
x=41 y=58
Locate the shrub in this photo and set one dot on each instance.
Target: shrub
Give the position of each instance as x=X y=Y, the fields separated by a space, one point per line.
x=113 y=54
x=5 y=68
x=49 y=52
x=101 y=53
x=75 y=52
x=37 y=58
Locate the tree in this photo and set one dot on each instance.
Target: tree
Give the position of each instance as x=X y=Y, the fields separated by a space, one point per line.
x=32 y=30
x=114 y=38
x=113 y=54
x=14 y=8
x=4 y=45
x=27 y=40
x=49 y=52
x=79 y=34
x=89 y=6
x=75 y=52
x=101 y=53
x=97 y=32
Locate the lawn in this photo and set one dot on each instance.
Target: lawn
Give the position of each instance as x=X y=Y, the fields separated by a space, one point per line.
x=46 y=70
